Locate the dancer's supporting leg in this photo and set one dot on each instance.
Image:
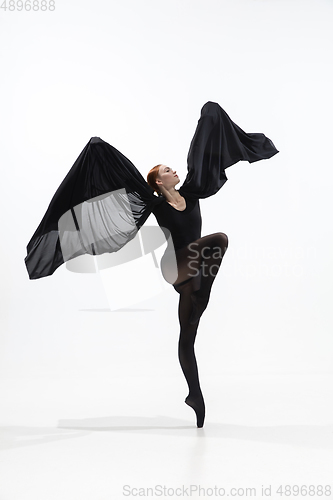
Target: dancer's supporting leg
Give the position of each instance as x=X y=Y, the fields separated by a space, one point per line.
x=186 y=351
x=203 y=257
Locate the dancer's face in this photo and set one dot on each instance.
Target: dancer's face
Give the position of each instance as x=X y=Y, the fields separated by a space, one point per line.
x=167 y=177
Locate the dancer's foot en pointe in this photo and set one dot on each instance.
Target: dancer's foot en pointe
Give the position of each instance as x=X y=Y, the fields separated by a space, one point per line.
x=198 y=405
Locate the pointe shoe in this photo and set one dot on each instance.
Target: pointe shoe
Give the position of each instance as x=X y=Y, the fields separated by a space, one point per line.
x=198 y=406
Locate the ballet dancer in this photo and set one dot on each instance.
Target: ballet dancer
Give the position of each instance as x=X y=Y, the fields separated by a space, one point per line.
x=104 y=200
x=196 y=257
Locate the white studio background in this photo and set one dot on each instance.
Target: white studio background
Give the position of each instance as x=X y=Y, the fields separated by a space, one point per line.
x=136 y=74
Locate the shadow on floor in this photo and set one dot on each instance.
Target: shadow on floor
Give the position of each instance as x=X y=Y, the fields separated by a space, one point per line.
x=309 y=436
x=116 y=310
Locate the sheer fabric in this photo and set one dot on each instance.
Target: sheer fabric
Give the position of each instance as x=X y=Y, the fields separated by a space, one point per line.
x=100 y=172
x=101 y=169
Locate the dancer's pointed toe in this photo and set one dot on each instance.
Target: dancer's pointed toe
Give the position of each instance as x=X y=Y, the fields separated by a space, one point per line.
x=198 y=406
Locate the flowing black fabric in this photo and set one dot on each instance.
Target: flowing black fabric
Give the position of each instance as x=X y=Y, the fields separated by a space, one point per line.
x=101 y=178
x=217 y=144
x=104 y=200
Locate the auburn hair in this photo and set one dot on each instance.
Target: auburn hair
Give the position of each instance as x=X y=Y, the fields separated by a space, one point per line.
x=151 y=178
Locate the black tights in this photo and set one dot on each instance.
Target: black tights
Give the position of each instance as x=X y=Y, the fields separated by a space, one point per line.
x=198 y=265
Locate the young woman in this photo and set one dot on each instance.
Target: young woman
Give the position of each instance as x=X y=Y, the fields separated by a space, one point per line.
x=104 y=200
x=196 y=257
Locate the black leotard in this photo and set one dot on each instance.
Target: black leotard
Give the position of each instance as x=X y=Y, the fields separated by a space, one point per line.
x=184 y=225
